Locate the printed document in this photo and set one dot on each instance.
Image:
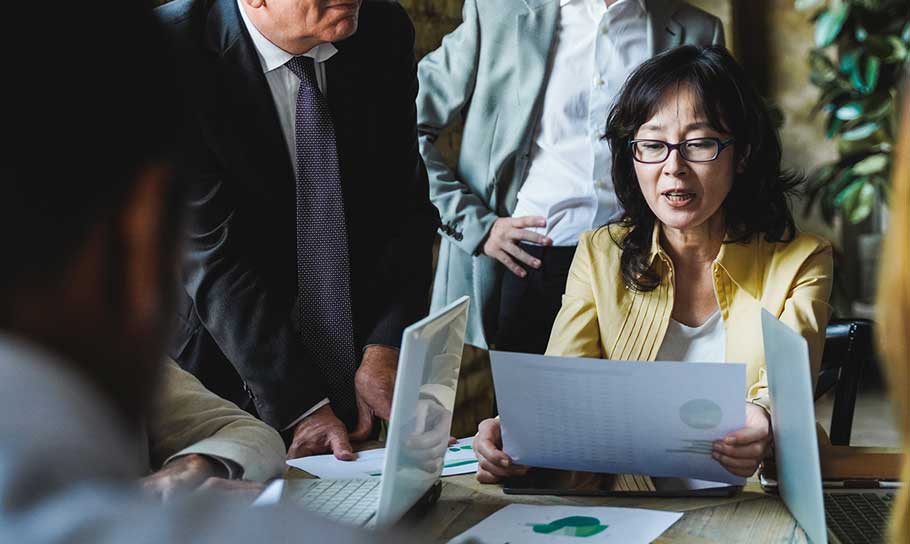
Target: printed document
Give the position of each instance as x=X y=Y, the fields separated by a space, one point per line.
x=459 y=459
x=528 y=524
x=595 y=415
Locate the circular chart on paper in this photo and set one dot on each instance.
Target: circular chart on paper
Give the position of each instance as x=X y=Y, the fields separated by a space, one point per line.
x=700 y=414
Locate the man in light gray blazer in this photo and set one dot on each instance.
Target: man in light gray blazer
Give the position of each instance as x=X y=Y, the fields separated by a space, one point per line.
x=533 y=81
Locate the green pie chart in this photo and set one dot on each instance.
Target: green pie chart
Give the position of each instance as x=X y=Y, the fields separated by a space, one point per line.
x=578 y=526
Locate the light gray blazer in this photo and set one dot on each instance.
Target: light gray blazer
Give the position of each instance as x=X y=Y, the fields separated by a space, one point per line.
x=492 y=71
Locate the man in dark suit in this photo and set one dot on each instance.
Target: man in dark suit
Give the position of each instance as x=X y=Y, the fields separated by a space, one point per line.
x=310 y=222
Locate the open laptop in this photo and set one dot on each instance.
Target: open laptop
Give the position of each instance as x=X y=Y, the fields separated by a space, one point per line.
x=851 y=516
x=418 y=432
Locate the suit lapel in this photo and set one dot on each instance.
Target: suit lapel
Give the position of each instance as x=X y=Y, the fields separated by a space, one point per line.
x=663 y=31
x=536 y=31
x=242 y=112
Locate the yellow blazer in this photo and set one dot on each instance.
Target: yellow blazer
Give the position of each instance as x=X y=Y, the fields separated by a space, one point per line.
x=601 y=318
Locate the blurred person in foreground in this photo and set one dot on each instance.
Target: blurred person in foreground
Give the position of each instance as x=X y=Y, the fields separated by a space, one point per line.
x=894 y=311
x=88 y=226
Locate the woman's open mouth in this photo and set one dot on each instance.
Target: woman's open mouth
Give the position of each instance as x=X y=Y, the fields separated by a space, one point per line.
x=678 y=198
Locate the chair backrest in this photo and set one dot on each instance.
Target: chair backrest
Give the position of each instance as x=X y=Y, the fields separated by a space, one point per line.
x=848 y=350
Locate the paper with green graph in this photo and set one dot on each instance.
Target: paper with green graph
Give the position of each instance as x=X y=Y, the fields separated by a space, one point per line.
x=528 y=524
x=650 y=418
x=459 y=459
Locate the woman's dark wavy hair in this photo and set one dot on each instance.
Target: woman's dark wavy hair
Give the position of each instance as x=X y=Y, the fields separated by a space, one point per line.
x=757 y=203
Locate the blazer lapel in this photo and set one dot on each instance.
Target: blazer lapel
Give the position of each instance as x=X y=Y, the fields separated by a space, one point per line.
x=536 y=31
x=242 y=111
x=663 y=31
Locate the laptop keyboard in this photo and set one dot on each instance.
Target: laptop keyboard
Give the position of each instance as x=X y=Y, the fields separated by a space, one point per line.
x=345 y=501
x=858 y=517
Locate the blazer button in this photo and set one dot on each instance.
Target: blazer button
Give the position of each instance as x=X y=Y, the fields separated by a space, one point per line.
x=457 y=236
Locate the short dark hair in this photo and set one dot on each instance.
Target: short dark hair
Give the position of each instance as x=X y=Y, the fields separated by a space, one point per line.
x=758 y=200
x=89 y=98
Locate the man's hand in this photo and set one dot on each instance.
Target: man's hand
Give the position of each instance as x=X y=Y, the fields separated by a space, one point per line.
x=494 y=465
x=321 y=432
x=182 y=475
x=740 y=452
x=502 y=243
x=374 y=385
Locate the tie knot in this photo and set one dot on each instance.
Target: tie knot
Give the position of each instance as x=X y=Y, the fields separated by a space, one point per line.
x=304 y=69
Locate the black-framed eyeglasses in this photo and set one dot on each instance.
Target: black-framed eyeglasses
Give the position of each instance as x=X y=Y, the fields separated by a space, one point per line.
x=694 y=150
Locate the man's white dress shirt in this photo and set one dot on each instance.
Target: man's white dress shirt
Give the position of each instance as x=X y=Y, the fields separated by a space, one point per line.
x=569 y=180
x=284 y=86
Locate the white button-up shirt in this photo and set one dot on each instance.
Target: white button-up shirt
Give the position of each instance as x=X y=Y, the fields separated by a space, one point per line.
x=284 y=85
x=282 y=81
x=569 y=180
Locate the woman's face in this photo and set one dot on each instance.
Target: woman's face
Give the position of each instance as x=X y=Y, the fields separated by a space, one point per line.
x=682 y=194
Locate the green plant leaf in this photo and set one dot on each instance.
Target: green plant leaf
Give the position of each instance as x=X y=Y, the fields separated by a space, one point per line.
x=849 y=61
x=861 y=207
x=872 y=164
x=862 y=131
x=829 y=24
x=899 y=51
x=834 y=125
x=860 y=34
x=822 y=68
x=849 y=193
x=849 y=111
x=866 y=82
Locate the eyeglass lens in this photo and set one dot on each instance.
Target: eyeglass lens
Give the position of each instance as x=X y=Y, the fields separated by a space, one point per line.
x=693 y=150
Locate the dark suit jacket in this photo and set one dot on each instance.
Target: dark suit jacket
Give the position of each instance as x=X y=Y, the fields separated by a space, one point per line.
x=235 y=328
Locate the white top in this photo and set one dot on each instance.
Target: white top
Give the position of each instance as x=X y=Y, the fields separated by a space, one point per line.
x=569 y=180
x=282 y=81
x=284 y=86
x=703 y=344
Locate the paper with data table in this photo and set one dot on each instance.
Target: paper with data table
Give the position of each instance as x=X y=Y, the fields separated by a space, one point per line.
x=459 y=459
x=651 y=418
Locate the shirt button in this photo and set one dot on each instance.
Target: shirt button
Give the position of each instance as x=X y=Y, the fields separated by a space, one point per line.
x=604 y=30
x=598 y=82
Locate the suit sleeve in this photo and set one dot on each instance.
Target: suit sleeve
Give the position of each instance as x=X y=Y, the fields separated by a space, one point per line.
x=447 y=77
x=404 y=272
x=235 y=298
x=189 y=419
x=806 y=311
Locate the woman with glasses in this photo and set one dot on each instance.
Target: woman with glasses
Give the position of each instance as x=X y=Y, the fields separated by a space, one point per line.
x=706 y=239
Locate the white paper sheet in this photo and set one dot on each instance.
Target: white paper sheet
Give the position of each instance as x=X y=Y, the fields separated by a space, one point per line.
x=459 y=459
x=527 y=523
x=271 y=494
x=652 y=418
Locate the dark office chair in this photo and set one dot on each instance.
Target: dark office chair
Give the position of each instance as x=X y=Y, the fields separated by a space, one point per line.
x=848 y=350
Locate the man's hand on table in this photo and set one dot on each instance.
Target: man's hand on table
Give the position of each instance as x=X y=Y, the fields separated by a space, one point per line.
x=321 y=432
x=182 y=475
x=494 y=465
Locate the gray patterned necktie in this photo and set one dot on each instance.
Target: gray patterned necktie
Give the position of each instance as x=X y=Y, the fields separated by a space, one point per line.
x=323 y=309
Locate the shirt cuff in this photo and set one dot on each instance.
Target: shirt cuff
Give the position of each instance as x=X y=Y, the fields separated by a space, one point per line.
x=233 y=470
x=315 y=407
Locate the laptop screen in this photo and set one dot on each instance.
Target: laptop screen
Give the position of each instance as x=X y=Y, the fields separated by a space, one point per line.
x=421 y=409
x=793 y=421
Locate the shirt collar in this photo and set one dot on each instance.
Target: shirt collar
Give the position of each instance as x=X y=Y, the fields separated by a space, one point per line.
x=737 y=259
x=271 y=56
x=641 y=3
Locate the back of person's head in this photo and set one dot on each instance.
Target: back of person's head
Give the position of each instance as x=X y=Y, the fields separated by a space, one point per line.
x=757 y=203
x=89 y=111
x=894 y=308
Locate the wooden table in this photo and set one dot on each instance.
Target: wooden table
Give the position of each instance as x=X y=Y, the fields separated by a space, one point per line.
x=753 y=516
